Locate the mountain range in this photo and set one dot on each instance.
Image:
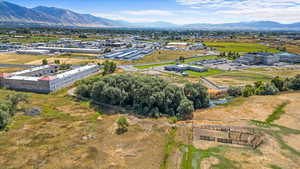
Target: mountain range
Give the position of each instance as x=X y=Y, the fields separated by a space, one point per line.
x=12 y=14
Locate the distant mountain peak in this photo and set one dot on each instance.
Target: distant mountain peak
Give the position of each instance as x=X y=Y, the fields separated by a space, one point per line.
x=53 y=16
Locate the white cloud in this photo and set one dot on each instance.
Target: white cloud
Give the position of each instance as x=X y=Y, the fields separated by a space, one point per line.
x=284 y=11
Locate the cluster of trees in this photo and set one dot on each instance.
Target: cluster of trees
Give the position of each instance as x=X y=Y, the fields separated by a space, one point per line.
x=8 y=107
x=109 y=67
x=273 y=87
x=230 y=55
x=149 y=96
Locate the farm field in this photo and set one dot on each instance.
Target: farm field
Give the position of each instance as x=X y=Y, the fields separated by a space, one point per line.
x=293 y=49
x=241 y=47
x=166 y=55
x=249 y=76
x=11 y=58
x=173 y=63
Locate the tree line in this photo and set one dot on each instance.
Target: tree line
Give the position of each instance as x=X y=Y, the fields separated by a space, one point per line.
x=149 y=96
x=273 y=87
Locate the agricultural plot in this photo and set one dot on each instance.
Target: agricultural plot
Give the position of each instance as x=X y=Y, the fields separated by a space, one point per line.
x=239 y=78
x=241 y=47
x=166 y=55
x=10 y=58
x=173 y=63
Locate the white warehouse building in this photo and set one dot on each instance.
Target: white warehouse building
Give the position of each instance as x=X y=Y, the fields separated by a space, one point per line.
x=44 y=79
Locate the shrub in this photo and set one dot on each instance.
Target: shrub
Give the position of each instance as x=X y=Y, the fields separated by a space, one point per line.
x=269 y=89
x=248 y=91
x=295 y=83
x=234 y=91
x=280 y=83
x=4 y=114
x=122 y=125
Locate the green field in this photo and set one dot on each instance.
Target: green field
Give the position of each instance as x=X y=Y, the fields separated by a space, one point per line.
x=210 y=72
x=33 y=39
x=173 y=63
x=241 y=47
x=244 y=76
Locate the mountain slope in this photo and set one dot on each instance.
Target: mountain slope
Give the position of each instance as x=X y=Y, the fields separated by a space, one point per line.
x=50 y=15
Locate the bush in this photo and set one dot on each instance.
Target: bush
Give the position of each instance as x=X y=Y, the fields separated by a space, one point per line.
x=295 y=83
x=248 y=91
x=234 y=91
x=185 y=109
x=4 y=114
x=109 y=67
x=280 y=83
x=269 y=89
x=83 y=90
x=122 y=125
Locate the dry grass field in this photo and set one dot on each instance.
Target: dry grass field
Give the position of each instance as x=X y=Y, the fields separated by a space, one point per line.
x=279 y=150
x=293 y=49
x=84 y=136
x=80 y=135
x=11 y=58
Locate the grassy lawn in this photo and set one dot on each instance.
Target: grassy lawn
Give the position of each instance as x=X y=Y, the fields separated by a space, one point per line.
x=210 y=72
x=33 y=39
x=173 y=63
x=244 y=76
x=166 y=55
x=241 y=47
x=154 y=65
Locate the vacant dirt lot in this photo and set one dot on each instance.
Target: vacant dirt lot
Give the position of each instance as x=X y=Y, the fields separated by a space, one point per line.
x=11 y=58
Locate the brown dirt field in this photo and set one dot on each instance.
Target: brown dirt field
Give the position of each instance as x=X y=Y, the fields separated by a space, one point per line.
x=10 y=58
x=293 y=48
x=239 y=113
x=66 y=61
x=4 y=70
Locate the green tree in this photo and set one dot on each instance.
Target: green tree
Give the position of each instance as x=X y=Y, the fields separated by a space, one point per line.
x=15 y=99
x=270 y=89
x=248 y=91
x=279 y=83
x=181 y=59
x=122 y=125
x=45 y=62
x=4 y=114
x=109 y=68
x=185 y=109
x=83 y=90
x=234 y=91
x=57 y=62
x=295 y=83
x=198 y=94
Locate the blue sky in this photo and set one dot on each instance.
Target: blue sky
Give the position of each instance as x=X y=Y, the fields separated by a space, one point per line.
x=181 y=11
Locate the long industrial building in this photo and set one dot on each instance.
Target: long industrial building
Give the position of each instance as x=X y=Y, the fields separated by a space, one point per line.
x=45 y=79
x=268 y=58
